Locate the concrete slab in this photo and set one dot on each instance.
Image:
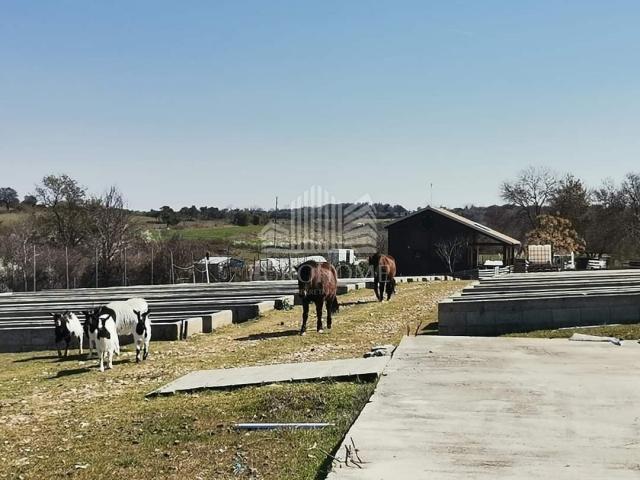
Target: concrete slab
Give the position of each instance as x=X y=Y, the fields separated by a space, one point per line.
x=285 y=372
x=496 y=408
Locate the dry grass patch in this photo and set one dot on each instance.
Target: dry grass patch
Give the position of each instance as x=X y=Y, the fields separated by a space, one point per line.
x=65 y=419
x=624 y=332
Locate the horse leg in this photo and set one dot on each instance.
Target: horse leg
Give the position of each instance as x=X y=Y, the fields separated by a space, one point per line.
x=305 y=315
x=391 y=287
x=381 y=287
x=329 y=304
x=319 y=314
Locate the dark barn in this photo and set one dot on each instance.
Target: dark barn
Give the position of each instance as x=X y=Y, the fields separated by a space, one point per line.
x=416 y=239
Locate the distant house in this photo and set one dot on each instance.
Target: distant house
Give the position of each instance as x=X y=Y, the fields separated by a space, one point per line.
x=416 y=239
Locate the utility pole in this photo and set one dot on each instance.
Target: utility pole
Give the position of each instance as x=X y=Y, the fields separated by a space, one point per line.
x=206 y=265
x=193 y=267
x=275 y=225
x=96 y=267
x=66 y=254
x=431 y=195
x=34 y=267
x=172 y=276
x=124 y=278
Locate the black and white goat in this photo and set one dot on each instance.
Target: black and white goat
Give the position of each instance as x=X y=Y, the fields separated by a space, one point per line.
x=142 y=334
x=67 y=327
x=91 y=329
x=108 y=343
x=131 y=318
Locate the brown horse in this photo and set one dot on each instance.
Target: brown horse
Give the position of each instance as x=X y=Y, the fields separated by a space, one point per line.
x=317 y=283
x=384 y=272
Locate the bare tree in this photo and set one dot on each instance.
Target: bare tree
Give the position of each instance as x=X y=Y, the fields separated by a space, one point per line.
x=451 y=250
x=65 y=215
x=631 y=194
x=110 y=229
x=531 y=191
x=8 y=197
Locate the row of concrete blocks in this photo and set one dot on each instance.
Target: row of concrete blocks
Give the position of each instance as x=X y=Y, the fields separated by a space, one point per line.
x=490 y=318
x=24 y=339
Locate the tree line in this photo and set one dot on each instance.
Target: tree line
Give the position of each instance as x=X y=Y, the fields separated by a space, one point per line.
x=545 y=207
x=69 y=238
x=259 y=216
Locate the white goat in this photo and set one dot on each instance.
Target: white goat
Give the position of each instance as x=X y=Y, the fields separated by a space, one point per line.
x=131 y=318
x=107 y=340
x=67 y=327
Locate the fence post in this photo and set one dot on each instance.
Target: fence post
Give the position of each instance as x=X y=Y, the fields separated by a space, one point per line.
x=97 y=263
x=66 y=254
x=125 y=267
x=193 y=267
x=172 y=275
x=207 y=265
x=34 y=267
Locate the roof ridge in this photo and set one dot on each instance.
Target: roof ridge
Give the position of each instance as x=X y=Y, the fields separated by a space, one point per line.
x=460 y=219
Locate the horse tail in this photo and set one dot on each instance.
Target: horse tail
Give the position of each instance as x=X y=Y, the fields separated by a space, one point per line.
x=335 y=306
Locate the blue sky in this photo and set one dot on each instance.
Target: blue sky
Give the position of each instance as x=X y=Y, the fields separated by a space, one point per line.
x=233 y=103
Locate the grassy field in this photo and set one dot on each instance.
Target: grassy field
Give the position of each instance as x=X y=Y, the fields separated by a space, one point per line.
x=9 y=219
x=215 y=232
x=624 y=332
x=65 y=419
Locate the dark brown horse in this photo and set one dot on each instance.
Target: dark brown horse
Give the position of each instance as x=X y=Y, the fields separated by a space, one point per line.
x=317 y=283
x=384 y=272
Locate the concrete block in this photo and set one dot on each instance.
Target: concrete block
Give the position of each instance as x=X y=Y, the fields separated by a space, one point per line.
x=192 y=326
x=166 y=331
x=566 y=317
x=279 y=303
x=221 y=319
x=453 y=318
x=242 y=313
x=537 y=319
x=624 y=314
x=595 y=316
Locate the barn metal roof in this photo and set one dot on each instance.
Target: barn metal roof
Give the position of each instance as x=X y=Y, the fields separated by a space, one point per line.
x=489 y=232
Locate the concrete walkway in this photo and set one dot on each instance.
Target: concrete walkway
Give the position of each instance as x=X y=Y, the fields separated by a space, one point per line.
x=283 y=372
x=495 y=408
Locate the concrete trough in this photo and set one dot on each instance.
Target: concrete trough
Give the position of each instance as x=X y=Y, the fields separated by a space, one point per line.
x=523 y=303
x=177 y=311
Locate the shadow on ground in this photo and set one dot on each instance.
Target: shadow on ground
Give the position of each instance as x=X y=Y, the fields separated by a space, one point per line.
x=69 y=358
x=268 y=335
x=84 y=369
x=429 y=329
